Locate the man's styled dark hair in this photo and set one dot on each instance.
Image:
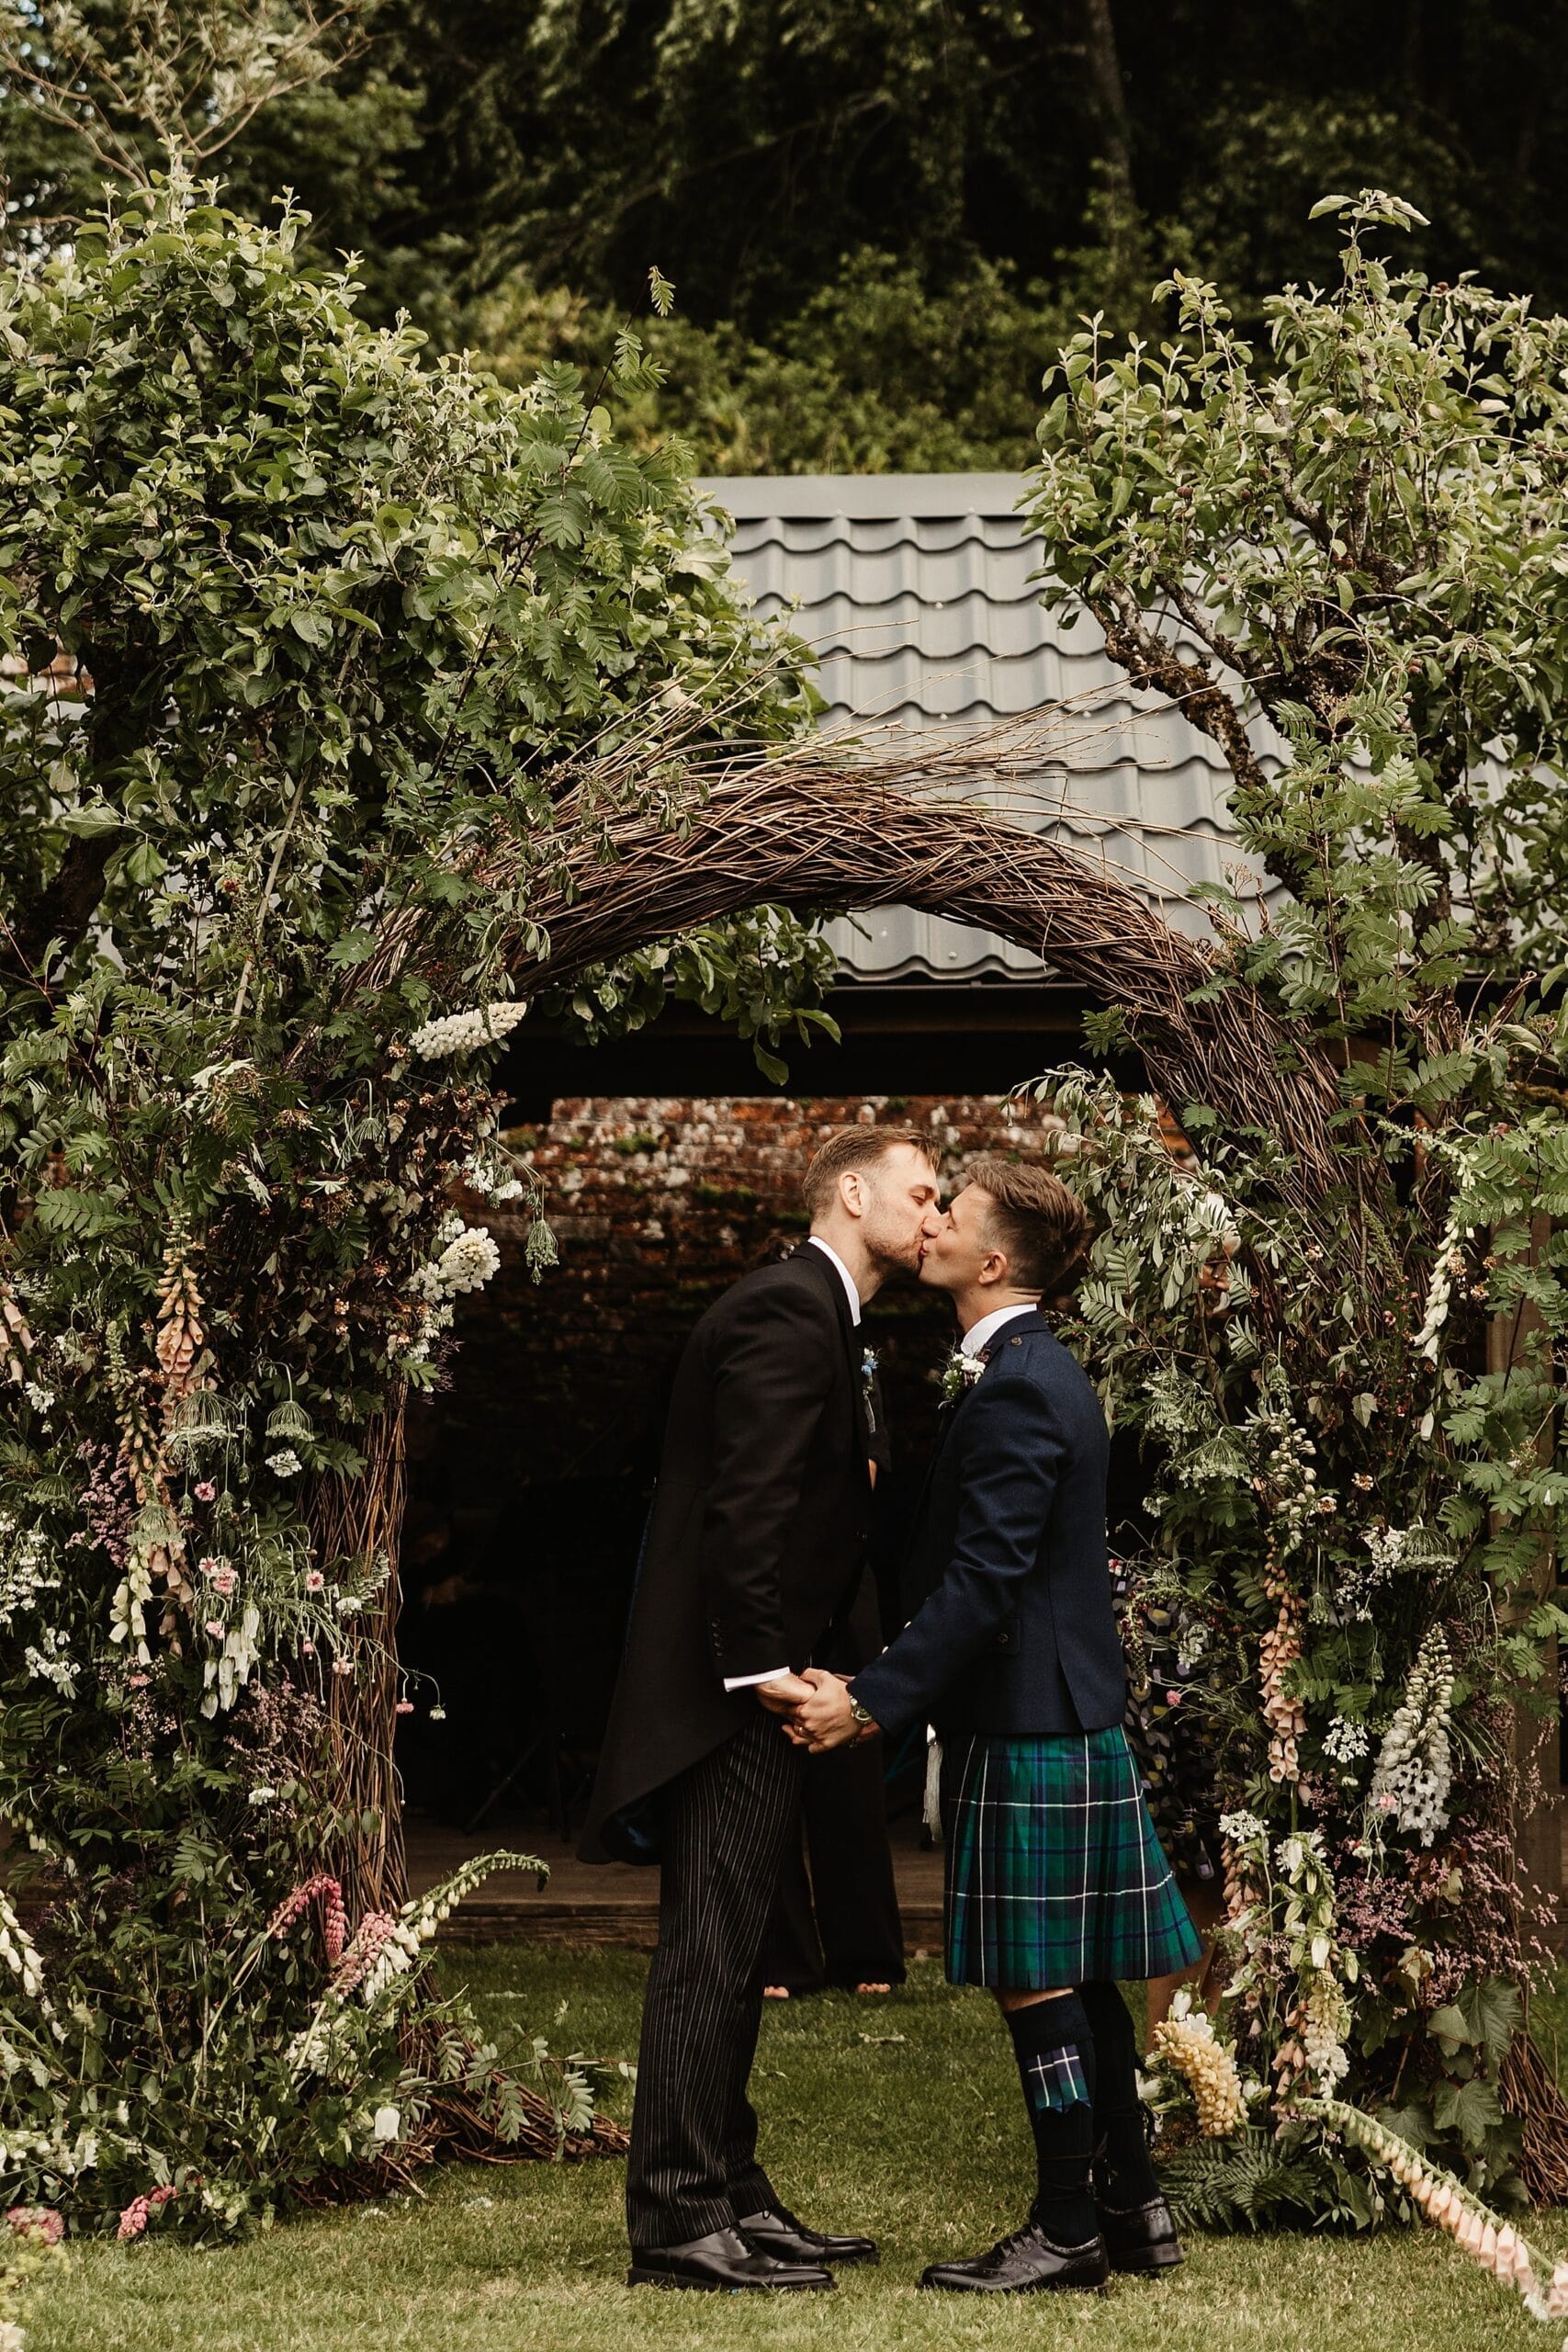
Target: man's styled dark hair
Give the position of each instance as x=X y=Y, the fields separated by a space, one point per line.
x=1044 y=1229
x=855 y=1147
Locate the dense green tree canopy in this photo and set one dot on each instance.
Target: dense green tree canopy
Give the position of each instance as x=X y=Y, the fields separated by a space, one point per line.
x=989 y=167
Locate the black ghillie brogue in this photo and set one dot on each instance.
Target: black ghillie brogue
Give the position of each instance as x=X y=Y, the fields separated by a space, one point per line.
x=720 y=2264
x=1141 y=2238
x=774 y=2230
x=1026 y=2264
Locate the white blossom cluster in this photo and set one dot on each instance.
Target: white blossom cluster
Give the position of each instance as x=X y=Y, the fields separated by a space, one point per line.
x=1288 y=1477
x=463 y=1032
x=1345 y=1742
x=1323 y=2023
x=25 y=1564
x=1241 y=1829
x=1410 y=1786
x=20 y=1955
x=48 y=1661
x=466 y=1257
x=1448 y=1267
x=1192 y=1643
x=484 y=1174
x=225 y=1676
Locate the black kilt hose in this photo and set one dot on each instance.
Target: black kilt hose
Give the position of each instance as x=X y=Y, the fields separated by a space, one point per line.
x=1054 y=1875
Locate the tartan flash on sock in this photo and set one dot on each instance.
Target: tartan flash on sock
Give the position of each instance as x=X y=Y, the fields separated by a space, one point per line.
x=1057 y=2078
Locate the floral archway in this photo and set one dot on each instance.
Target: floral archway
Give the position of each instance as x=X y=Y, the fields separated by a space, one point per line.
x=352 y=702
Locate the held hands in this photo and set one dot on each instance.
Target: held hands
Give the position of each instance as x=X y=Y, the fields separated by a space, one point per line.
x=816 y=1710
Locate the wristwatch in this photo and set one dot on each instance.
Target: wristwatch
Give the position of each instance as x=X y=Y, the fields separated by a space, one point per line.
x=862 y=1718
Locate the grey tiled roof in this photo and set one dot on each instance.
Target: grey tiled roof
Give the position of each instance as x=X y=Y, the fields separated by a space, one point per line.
x=915 y=592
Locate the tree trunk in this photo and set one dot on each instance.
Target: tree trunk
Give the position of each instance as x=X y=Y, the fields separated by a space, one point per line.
x=1104 y=61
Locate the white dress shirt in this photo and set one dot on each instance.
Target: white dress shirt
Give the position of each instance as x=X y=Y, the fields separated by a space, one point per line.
x=776 y=1673
x=981 y=1334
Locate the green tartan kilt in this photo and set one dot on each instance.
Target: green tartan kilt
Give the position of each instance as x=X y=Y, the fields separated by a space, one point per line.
x=1054 y=1875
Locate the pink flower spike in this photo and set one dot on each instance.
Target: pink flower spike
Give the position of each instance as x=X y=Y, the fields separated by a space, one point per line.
x=205 y=1492
x=133 y=2220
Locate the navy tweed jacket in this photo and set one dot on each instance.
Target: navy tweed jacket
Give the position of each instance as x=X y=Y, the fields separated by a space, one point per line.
x=1016 y=1632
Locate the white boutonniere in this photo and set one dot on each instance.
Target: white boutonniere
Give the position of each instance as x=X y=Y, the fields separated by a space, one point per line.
x=959 y=1375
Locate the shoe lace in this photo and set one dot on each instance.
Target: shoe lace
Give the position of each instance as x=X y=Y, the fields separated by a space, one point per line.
x=1016 y=2242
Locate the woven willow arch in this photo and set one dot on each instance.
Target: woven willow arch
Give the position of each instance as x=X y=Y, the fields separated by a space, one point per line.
x=810 y=829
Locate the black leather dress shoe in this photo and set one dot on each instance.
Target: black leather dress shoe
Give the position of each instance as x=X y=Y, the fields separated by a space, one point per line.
x=1141 y=2239
x=720 y=2264
x=774 y=2230
x=1026 y=2264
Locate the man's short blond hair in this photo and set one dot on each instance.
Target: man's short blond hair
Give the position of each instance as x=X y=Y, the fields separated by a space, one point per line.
x=854 y=1148
x=1043 y=1229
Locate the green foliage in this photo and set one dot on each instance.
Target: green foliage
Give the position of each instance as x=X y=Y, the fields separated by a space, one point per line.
x=317 y=657
x=1257 y=2181
x=882 y=218
x=1342 y=556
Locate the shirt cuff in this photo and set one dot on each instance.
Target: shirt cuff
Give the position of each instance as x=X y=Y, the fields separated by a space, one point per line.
x=745 y=1681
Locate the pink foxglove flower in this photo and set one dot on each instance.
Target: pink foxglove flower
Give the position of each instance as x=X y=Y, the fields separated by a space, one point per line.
x=334 y=1920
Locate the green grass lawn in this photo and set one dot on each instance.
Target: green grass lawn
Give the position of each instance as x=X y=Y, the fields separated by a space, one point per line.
x=900 y=2117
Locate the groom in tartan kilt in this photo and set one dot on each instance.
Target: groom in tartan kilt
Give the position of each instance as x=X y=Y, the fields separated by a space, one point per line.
x=1057 y=1885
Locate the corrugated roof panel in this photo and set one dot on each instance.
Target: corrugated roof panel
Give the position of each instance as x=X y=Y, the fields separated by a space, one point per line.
x=916 y=593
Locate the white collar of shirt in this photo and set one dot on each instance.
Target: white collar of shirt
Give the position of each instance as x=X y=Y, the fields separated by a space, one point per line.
x=844 y=1274
x=981 y=1334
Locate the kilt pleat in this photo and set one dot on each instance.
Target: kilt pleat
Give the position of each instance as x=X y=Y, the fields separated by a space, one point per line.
x=1054 y=1875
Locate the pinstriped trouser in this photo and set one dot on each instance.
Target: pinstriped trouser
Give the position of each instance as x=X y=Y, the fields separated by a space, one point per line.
x=725 y=1823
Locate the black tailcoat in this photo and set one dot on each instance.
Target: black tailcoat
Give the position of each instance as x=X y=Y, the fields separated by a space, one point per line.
x=757 y=1536
x=1016 y=1634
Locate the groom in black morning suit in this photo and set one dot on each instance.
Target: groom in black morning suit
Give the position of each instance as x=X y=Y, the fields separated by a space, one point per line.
x=754 y=1552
